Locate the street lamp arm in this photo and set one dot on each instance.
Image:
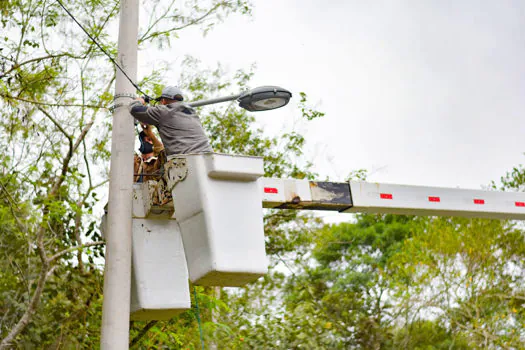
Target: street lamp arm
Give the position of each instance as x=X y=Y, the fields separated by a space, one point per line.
x=262 y=98
x=214 y=100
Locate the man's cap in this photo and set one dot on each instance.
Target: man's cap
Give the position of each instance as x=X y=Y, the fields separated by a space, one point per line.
x=171 y=92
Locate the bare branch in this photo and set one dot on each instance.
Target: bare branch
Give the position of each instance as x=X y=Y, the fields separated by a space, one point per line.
x=78 y=223
x=190 y=23
x=38 y=103
x=82 y=135
x=36 y=59
x=57 y=124
x=64 y=252
x=86 y=162
x=151 y=24
x=142 y=333
x=102 y=26
x=507 y=296
x=51 y=270
x=67 y=159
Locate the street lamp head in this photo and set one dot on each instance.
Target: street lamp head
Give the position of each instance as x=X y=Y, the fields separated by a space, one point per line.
x=264 y=98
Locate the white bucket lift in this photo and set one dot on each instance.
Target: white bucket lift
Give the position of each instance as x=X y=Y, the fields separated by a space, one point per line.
x=218 y=207
x=216 y=233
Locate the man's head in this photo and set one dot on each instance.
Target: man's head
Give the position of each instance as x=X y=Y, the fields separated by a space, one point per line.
x=170 y=94
x=146 y=145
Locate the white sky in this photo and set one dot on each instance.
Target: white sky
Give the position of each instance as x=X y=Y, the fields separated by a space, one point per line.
x=416 y=92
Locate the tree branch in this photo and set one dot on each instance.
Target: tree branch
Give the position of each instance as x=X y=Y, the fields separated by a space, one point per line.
x=78 y=222
x=192 y=22
x=9 y=97
x=82 y=136
x=57 y=124
x=157 y=20
x=36 y=59
x=69 y=250
x=142 y=333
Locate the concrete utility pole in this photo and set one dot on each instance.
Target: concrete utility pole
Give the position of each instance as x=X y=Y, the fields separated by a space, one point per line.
x=117 y=275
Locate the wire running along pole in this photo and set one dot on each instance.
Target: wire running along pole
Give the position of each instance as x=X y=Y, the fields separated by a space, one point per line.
x=102 y=49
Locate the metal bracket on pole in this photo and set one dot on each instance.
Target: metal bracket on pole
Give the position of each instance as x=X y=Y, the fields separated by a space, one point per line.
x=118 y=105
x=115 y=106
x=116 y=96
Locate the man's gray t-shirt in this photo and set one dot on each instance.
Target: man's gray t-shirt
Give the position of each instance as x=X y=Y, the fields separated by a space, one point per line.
x=179 y=126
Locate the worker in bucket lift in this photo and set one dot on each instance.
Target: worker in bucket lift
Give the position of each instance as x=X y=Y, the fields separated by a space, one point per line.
x=179 y=125
x=148 y=165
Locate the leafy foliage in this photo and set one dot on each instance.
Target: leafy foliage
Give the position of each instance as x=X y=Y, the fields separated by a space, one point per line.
x=390 y=281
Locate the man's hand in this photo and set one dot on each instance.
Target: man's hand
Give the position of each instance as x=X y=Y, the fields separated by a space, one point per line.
x=141 y=100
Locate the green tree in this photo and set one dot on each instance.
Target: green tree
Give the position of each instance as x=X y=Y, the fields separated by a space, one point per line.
x=467 y=273
x=389 y=281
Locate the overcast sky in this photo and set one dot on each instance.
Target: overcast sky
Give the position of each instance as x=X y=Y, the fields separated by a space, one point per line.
x=416 y=92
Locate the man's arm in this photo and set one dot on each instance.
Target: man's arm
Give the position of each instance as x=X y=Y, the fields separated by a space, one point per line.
x=137 y=167
x=157 y=145
x=144 y=114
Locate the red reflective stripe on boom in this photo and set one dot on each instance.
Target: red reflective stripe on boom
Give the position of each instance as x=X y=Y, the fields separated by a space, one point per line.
x=385 y=196
x=479 y=201
x=434 y=199
x=270 y=190
x=520 y=204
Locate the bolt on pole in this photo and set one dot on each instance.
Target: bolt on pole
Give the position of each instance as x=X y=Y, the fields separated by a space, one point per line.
x=117 y=275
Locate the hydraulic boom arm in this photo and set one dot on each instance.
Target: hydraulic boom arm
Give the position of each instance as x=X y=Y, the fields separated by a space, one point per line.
x=367 y=197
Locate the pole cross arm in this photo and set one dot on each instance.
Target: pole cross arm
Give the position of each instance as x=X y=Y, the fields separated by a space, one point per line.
x=367 y=197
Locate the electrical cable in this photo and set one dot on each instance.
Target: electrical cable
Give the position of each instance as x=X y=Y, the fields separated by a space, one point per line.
x=102 y=49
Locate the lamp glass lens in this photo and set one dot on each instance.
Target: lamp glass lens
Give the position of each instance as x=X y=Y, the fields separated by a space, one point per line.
x=270 y=103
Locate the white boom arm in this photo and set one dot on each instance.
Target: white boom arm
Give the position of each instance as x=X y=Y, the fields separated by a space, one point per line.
x=367 y=197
